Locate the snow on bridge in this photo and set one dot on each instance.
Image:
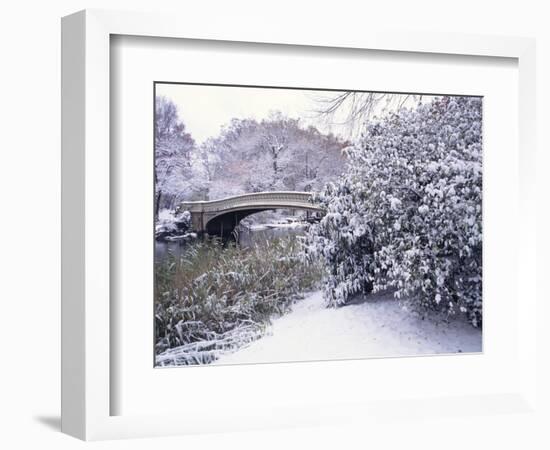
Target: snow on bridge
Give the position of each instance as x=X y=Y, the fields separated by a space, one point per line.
x=220 y=217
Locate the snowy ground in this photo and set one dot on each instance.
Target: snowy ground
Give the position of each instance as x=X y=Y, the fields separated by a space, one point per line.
x=373 y=328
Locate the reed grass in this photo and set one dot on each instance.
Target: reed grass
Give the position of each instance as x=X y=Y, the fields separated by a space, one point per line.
x=215 y=298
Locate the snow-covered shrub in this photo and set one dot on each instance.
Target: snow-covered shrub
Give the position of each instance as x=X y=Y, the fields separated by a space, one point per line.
x=215 y=298
x=170 y=223
x=406 y=215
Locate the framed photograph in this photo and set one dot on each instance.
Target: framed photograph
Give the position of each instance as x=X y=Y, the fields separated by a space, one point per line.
x=287 y=230
x=265 y=230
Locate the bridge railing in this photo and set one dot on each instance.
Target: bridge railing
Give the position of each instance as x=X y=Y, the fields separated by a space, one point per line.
x=290 y=197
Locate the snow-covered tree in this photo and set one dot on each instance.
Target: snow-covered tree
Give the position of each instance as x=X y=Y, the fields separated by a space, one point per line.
x=317 y=159
x=406 y=215
x=277 y=153
x=179 y=173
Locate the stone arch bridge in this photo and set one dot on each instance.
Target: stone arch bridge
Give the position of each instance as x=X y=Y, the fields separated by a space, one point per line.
x=220 y=217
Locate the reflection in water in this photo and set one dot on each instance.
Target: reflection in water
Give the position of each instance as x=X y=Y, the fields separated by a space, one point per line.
x=246 y=237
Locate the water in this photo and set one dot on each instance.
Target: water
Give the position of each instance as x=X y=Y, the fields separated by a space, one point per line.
x=249 y=237
x=246 y=238
x=164 y=249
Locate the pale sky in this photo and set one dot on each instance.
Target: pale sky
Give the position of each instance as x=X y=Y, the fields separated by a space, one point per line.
x=205 y=109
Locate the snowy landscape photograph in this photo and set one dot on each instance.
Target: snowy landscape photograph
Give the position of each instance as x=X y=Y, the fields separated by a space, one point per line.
x=297 y=224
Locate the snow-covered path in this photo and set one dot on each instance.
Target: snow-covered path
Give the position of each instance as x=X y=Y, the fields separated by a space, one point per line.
x=377 y=327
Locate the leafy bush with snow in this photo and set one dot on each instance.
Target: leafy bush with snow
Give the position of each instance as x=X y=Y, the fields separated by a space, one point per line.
x=216 y=298
x=406 y=215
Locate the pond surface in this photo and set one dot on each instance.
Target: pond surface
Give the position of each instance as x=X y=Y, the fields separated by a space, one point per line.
x=246 y=238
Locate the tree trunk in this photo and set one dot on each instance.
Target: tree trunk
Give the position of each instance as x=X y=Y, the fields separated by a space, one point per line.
x=157 y=205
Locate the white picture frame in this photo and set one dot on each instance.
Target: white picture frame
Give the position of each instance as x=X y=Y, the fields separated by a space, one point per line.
x=86 y=175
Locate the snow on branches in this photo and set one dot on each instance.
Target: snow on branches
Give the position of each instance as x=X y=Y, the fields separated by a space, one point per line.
x=178 y=174
x=406 y=214
x=276 y=153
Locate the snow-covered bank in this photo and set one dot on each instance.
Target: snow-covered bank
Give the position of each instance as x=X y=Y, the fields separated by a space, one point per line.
x=373 y=328
x=288 y=223
x=172 y=226
x=265 y=226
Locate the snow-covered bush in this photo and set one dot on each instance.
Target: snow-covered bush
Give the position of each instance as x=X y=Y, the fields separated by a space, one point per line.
x=170 y=223
x=406 y=215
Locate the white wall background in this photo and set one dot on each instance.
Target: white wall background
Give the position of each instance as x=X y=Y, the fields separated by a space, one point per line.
x=29 y=229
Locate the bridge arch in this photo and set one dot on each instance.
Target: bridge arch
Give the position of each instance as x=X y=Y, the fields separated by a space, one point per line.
x=220 y=217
